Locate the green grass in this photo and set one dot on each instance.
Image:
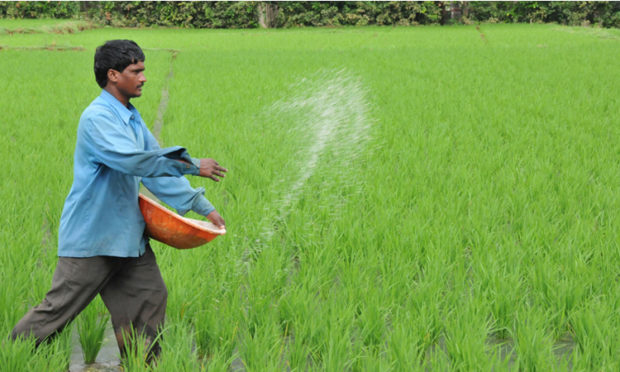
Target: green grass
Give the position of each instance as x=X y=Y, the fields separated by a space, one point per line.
x=398 y=198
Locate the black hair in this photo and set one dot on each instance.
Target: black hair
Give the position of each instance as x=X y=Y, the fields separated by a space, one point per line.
x=116 y=55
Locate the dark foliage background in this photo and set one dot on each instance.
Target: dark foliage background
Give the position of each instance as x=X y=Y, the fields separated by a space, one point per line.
x=329 y=13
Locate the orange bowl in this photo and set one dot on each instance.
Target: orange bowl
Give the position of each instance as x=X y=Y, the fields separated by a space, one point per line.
x=175 y=230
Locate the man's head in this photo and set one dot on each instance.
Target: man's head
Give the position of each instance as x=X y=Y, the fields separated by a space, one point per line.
x=120 y=63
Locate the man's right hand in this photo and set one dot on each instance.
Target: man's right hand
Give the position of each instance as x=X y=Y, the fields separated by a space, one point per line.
x=211 y=169
x=217 y=220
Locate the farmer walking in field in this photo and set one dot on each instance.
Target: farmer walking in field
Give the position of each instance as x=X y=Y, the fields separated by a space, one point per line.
x=102 y=246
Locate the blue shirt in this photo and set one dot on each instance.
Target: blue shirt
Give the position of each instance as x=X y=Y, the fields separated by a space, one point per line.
x=113 y=153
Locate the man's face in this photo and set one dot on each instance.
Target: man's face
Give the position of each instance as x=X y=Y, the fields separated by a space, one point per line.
x=130 y=81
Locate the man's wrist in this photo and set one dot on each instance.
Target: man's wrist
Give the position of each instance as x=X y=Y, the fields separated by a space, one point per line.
x=196 y=162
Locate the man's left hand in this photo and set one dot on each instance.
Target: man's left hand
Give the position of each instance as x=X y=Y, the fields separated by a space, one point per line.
x=217 y=220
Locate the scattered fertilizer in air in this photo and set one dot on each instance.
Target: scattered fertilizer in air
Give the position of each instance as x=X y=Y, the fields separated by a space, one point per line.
x=331 y=122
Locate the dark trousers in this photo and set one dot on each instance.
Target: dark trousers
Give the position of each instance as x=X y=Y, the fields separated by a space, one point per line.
x=131 y=288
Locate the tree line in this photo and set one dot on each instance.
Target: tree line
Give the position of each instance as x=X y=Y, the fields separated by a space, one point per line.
x=250 y=14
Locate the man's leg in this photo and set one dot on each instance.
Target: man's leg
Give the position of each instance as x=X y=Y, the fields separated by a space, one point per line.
x=136 y=298
x=75 y=283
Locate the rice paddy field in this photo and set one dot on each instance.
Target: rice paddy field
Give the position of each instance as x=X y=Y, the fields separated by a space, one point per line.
x=398 y=198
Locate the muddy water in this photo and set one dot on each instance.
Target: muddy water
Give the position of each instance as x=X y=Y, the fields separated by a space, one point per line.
x=108 y=359
x=563 y=349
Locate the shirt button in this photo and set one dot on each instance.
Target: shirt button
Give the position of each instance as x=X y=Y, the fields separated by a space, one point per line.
x=131 y=117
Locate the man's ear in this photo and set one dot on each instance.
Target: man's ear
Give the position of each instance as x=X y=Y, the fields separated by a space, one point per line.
x=113 y=75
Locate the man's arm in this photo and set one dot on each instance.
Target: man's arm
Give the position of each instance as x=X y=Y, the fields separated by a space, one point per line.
x=178 y=193
x=109 y=144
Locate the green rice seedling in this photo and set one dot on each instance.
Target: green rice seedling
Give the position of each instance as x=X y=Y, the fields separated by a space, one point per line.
x=504 y=295
x=437 y=359
x=21 y=355
x=254 y=341
x=371 y=320
x=15 y=355
x=338 y=353
x=138 y=347
x=532 y=342
x=178 y=351
x=295 y=311
x=58 y=352
x=404 y=346
x=416 y=326
x=216 y=331
x=560 y=295
x=261 y=327
x=595 y=335
x=91 y=325
x=465 y=337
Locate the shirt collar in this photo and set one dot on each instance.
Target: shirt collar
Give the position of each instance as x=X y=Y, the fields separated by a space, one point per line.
x=125 y=113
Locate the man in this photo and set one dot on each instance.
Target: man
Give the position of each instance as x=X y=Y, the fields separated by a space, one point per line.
x=102 y=246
